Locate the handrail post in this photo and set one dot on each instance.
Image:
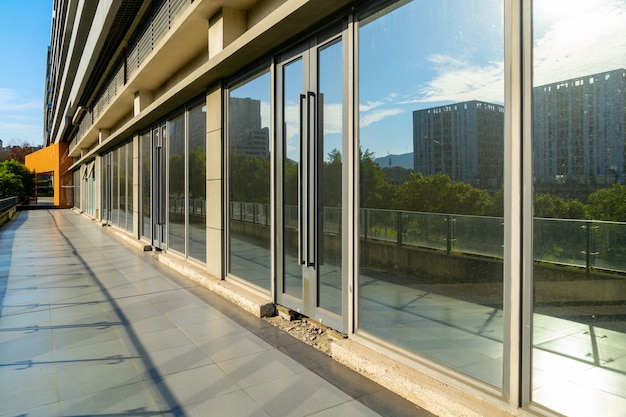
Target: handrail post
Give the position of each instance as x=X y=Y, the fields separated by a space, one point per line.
x=399 y=227
x=588 y=245
x=449 y=234
x=365 y=224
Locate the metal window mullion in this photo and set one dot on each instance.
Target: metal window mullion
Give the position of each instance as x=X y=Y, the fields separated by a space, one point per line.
x=527 y=206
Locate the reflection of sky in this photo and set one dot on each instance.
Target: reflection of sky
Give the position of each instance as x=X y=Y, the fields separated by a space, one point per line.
x=425 y=54
x=429 y=53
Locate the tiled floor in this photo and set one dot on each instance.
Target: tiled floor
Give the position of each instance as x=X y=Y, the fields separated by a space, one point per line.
x=89 y=326
x=578 y=369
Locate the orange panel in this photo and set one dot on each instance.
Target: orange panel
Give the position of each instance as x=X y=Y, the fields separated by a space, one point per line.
x=54 y=159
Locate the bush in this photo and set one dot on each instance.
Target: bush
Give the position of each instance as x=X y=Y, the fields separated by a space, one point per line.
x=13 y=173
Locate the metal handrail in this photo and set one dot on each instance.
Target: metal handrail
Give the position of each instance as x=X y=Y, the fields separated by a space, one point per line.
x=8 y=203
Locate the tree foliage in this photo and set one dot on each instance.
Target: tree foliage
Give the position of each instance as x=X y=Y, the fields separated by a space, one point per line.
x=17 y=153
x=15 y=180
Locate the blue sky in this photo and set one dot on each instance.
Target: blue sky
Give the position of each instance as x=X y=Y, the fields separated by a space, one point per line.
x=24 y=39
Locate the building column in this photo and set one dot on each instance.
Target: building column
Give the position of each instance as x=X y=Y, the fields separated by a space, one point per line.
x=214 y=183
x=224 y=27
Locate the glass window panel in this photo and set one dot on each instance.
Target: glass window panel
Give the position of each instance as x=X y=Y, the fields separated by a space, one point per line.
x=197 y=183
x=579 y=136
x=115 y=187
x=293 y=163
x=146 y=184
x=176 y=172
x=129 y=187
x=249 y=180
x=330 y=62
x=106 y=184
x=431 y=169
x=122 y=186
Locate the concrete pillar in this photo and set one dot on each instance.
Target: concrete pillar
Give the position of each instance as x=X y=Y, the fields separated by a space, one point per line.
x=214 y=186
x=224 y=27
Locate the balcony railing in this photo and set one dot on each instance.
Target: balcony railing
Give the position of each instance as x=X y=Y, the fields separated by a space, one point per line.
x=7 y=203
x=588 y=244
x=140 y=46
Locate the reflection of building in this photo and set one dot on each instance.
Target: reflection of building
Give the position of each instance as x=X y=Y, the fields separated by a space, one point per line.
x=579 y=130
x=464 y=140
x=247 y=135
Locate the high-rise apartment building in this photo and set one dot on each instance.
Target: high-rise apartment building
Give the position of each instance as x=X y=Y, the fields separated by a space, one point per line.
x=579 y=131
x=248 y=136
x=463 y=140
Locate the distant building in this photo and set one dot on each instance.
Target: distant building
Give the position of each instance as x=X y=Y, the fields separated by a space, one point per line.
x=247 y=136
x=579 y=131
x=463 y=140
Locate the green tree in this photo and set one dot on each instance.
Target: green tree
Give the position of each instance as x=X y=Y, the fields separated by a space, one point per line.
x=14 y=169
x=608 y=204
x=11 y=185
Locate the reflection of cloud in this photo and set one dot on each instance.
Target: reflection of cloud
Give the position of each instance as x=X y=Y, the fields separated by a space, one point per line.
x=378 y=115
x=333 y=118
x=266 y=113
x=462 y=81
x=583 y=39
x=370 y=105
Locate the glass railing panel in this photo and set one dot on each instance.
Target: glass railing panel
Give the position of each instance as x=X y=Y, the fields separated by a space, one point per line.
x=381 y=225
x=607 y=247
x=332 y=220
x=426 y=230
x=478 y=235
x=560 y=241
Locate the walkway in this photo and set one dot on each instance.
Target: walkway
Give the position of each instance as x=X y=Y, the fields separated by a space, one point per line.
x=89 y=326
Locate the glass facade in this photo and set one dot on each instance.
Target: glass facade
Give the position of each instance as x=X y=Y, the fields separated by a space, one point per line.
x=177 y=183
x=186 y=173
x=196 y=168
x=579 y=146
x=117 y=187
x=429 y=125
x=146 y=184
x=371 y=175
x=249 y=222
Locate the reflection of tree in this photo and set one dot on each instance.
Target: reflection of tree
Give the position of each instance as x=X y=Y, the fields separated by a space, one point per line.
x=608 y=204
x=197 y=172
x=250 y=178
x=331 y=180
x=177 y=173
x=438 y=194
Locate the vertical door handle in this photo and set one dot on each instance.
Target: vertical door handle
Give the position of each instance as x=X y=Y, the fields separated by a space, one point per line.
x=302 y=234
x=312 y=178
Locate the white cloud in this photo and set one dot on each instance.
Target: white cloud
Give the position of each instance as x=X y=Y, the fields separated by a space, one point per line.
x=21 y=118
x=11 y=100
